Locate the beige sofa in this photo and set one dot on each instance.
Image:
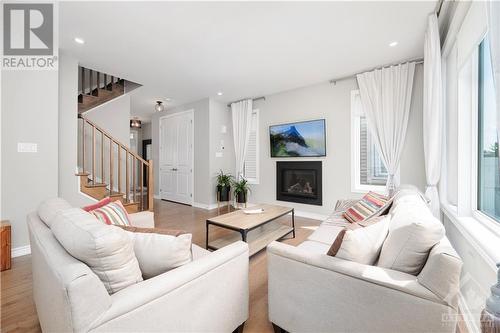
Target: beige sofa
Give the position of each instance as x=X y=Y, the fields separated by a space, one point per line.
x=209 y=294
x=310 y=291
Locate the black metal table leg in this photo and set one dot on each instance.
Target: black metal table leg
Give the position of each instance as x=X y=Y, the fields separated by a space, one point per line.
x=293 y=222
x=243 y=235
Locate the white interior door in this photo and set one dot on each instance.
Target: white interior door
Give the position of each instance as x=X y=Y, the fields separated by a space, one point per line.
x=176 y=157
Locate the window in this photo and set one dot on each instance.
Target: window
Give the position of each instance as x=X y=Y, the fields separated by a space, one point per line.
x=488 y=198
x=251 y=167
x=369 y=172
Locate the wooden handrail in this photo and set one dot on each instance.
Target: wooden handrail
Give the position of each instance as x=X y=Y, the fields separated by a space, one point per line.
x=109 y=136
x=137 y=164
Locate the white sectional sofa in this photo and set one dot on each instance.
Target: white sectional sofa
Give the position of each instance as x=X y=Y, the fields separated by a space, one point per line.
x=209 y=294
x=310 y=291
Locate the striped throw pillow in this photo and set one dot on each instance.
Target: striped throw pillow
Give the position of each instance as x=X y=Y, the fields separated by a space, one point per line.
x=113 y=213
x=372 y=204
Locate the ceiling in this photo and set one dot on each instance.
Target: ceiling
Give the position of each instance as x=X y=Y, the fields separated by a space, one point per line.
x=188 y=51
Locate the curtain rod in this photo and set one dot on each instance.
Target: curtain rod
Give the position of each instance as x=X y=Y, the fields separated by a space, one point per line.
x=253 y=99
x=416 y=61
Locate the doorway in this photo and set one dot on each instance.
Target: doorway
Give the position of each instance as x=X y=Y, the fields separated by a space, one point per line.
x=176 y=157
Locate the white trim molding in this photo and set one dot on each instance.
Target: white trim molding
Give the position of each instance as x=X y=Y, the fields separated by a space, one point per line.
x=309 y=215
x=20 y=251
x=469 y=319
x=204 y=206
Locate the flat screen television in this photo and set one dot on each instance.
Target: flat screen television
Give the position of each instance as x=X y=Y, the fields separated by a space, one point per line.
x=300 y=139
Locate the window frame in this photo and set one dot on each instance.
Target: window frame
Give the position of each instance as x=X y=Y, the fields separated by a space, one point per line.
x=468 y=135
x=356 y=186
x=256 y=180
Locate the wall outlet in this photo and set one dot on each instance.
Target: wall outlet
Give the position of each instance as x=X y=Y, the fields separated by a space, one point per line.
x=27 y=147
x=223 y=129
x=219 y=154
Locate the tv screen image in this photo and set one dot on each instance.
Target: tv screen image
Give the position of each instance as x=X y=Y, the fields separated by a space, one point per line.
x=300 y=139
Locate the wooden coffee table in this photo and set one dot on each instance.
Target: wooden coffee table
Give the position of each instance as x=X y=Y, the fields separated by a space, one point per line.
x=258 y=230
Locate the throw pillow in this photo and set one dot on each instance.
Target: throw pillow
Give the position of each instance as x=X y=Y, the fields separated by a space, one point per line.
x=372 y=204
x=98 y=204
x=361 y=245
x=159 y=252
x=49 y=208
x=112 y=213
x=413 y=233
x=108 y=251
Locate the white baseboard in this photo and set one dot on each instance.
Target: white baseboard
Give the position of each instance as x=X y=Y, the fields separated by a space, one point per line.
x=313 y=216
x=204 y=206
x=469 y=319
x=20 y=251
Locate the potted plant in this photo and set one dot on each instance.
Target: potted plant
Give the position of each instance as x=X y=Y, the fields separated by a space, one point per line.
x=223 y=186
x=241 y=190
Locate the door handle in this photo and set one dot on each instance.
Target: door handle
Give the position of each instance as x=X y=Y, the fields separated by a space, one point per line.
x=174 y=169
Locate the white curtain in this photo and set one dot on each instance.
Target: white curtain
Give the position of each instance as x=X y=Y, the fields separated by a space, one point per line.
x=241 y=113
x=433 y=112
x=493 y=8
x=386 y=97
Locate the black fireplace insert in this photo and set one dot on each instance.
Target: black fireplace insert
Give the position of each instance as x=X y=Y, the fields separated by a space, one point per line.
x=299 y=182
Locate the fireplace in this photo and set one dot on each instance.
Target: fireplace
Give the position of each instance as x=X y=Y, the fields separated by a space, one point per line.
x=299 y=182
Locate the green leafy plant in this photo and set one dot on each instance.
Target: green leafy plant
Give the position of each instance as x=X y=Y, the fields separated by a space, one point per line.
x=241 y=189
x=224 y=179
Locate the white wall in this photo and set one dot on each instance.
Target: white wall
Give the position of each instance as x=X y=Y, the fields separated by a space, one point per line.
x=220 y=116
x=332 y=102
x=68 y=131
x=201 y=172
x=209 y=117
x=29 y=114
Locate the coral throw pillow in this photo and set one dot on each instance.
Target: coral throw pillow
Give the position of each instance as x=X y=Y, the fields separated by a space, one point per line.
x=371 y=205
x=99 y=204
x=113 y=213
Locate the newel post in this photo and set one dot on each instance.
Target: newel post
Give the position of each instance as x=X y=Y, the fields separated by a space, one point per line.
x=150 y=185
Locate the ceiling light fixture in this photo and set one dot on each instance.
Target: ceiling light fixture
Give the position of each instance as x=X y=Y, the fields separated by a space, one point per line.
x=135 y=123
x=392 y=44
x=219 y=93
x=79 y=40
x=159 y=106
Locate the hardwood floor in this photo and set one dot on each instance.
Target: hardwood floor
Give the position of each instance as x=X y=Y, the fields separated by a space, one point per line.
x=18 y=312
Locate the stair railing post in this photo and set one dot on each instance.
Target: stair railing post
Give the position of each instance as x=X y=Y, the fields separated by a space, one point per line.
x=83 y=145
x=93 y=155
x=141 y=168
x=133 y=179
x=110 y=164
x=150 y=185
x=82 y=78
x=119 y=171
x=90 y=81
x=127 y=178
x=102 y=157
x=97 y=83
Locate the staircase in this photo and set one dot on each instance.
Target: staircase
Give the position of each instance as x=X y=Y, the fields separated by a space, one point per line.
x=96 y=88
x=107 y=167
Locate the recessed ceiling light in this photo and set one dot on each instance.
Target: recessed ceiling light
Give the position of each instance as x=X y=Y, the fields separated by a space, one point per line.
x=219 y=93
x=79 y=40
x=392 y=44
x=168 y=99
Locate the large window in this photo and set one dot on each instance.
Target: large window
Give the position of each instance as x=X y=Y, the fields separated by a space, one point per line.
x=488 y=165
x=369 y=172
x=251 y=166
